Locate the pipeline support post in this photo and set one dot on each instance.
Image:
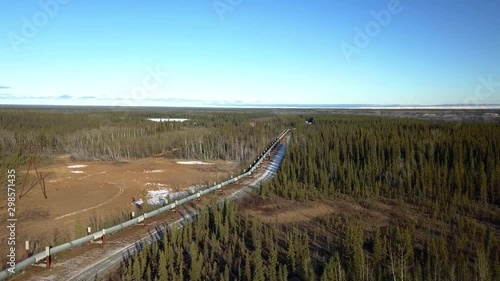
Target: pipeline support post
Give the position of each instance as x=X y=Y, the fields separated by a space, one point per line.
x=47 y=258
x=27 y=248
x=139 y=220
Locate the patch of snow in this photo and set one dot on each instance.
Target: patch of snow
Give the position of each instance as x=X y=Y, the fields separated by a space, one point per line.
x=156 y=184
x=157 y=197
x=492 y=114
x=194 y=188
x=153 y=171
x=168 y=119
x=193 y=163
x=77 y=166
x=160 y=196
x=78 y=172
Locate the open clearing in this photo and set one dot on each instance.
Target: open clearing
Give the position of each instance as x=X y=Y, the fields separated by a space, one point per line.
x=372 y=213
x=79 y=192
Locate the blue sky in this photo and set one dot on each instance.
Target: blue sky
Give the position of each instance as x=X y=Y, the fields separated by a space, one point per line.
x=228 y=52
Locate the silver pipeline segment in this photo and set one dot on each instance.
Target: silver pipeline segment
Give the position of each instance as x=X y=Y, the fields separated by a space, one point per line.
x=86 y=239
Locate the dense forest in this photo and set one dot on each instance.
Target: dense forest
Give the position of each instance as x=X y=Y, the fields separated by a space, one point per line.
x=224 y=245
x=415 y=160
x=449 y=174
x=449 y=171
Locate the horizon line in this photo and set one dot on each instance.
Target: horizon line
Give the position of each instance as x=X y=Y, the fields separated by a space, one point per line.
x=279 y=106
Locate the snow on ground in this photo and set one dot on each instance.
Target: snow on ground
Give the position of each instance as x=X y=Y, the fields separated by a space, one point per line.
x=153 y=171
x=160 y=196
x=492 y=114
x=168 y=119
x=77 y=166
x=156 y=184
x=77 y=172
x=138 y=202
x=157 y=197
x=193 y=163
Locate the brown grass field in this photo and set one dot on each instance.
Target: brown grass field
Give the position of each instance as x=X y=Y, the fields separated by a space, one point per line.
x=96 y=191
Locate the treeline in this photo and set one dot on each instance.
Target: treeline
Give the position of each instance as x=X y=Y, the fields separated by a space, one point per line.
x=118 y=135
x=224 y=245
x=416 y=160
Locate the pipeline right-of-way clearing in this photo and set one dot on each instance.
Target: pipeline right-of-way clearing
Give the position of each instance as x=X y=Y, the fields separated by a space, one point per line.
x=97 y=235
